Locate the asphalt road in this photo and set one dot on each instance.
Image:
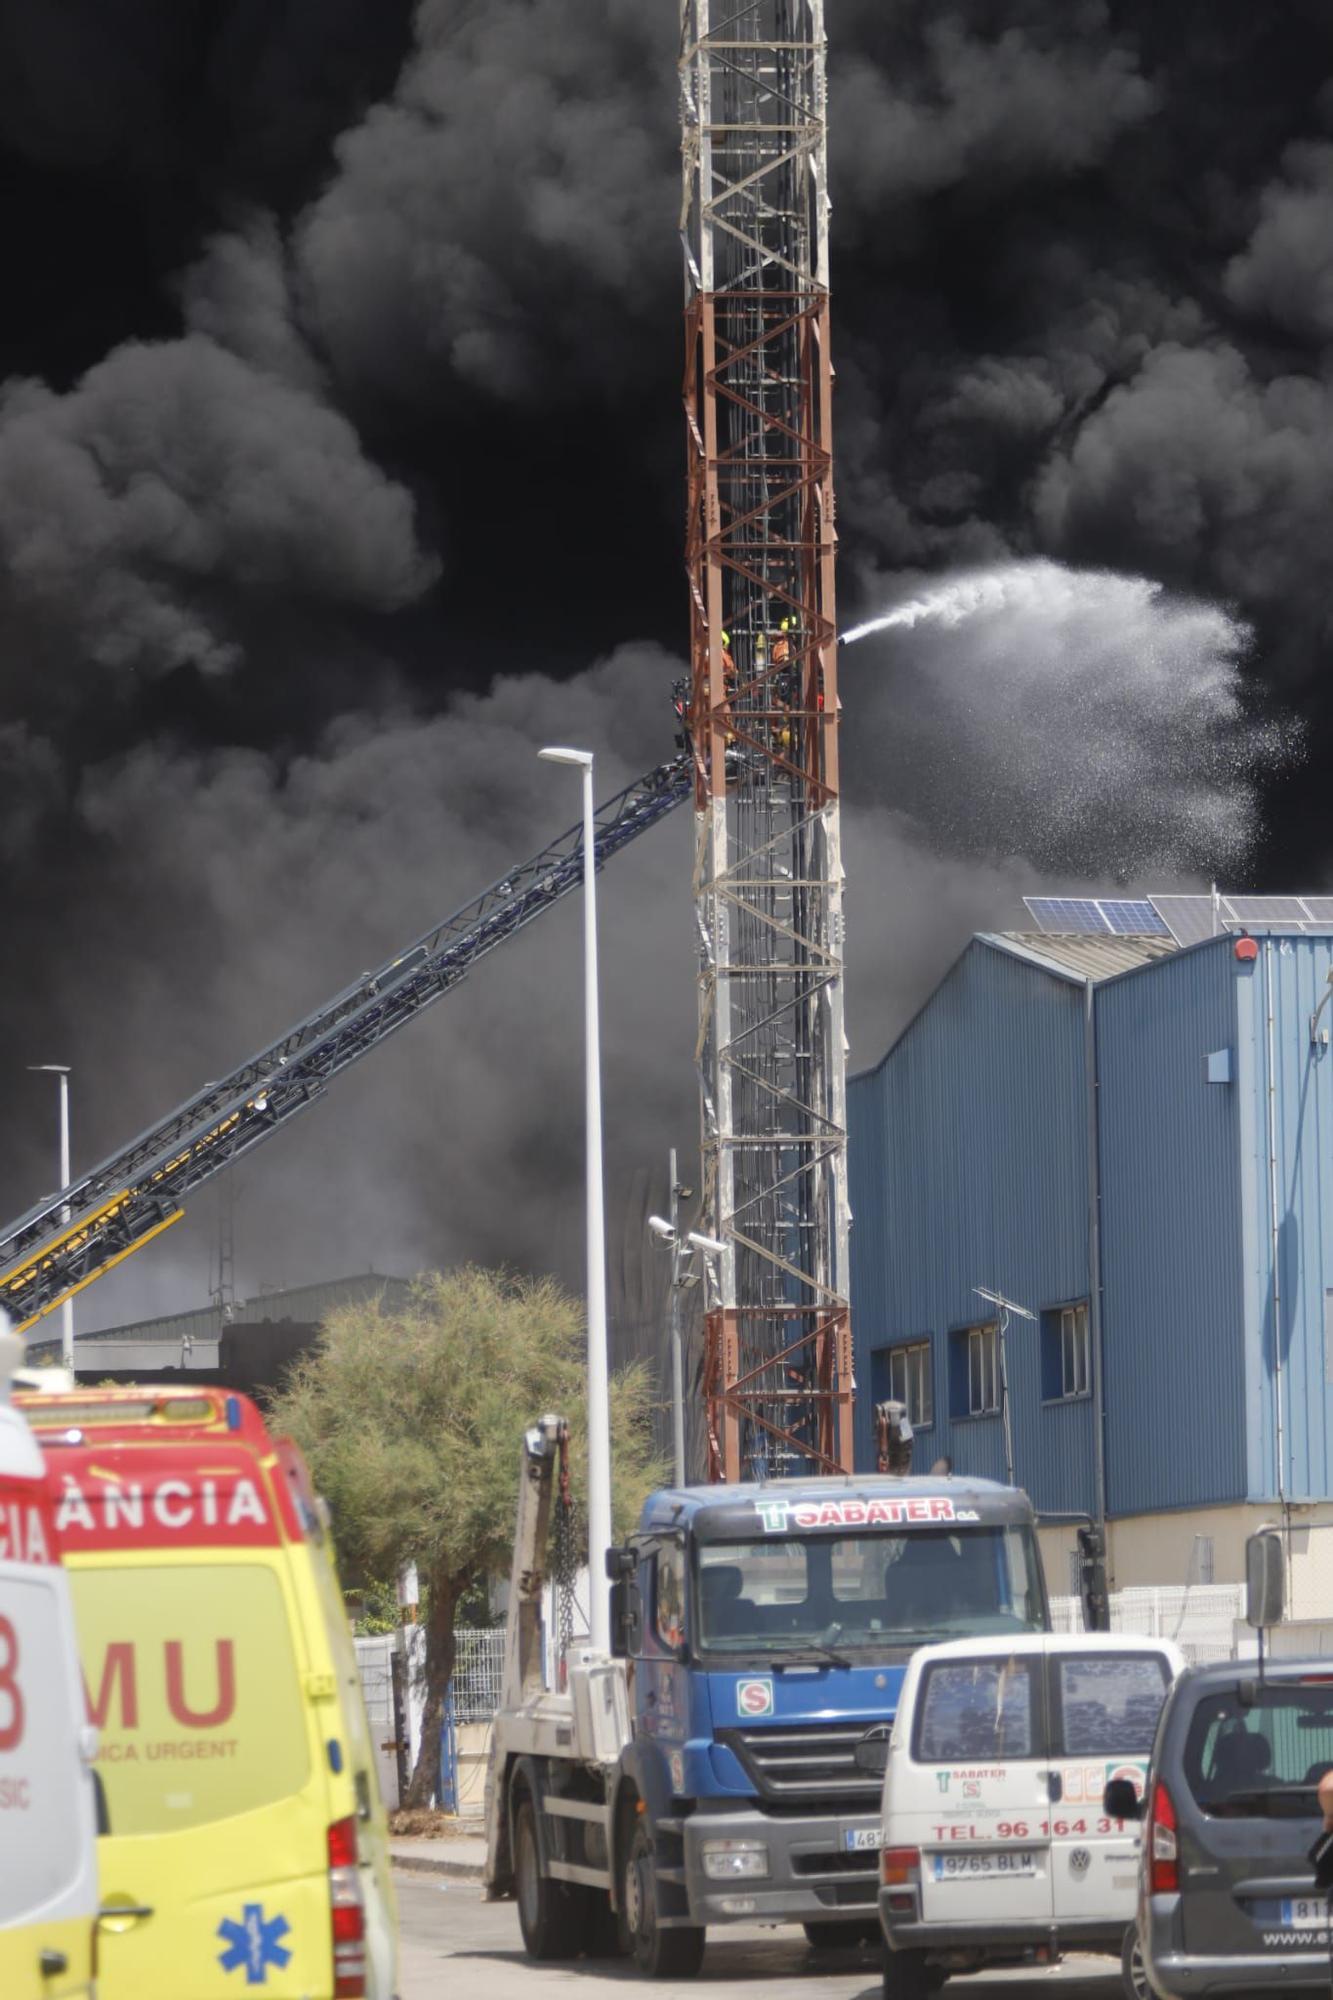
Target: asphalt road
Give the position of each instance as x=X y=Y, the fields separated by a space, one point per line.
x=455 y=1945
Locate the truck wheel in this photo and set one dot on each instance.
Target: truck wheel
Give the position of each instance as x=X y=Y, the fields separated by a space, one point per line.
x=1133 y=1972
x=908 y=1977
x=659 y=1954
x=551 y=1915
x=608 y=1936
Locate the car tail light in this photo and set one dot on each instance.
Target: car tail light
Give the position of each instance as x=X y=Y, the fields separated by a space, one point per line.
x=1163 y=1846
x=348 y=1909
x=899 y=1866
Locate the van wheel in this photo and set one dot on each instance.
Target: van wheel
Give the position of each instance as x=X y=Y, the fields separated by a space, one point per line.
x=908 y=1977
x=659 y=1954
x=551 y=1915
x=1133 y=1972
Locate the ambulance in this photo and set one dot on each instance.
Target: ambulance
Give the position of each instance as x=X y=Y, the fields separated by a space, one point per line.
x=248 y=1848
x=48 y=1824
x=995 y=1846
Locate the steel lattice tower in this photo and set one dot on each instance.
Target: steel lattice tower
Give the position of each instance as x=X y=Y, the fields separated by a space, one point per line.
x=763 y=718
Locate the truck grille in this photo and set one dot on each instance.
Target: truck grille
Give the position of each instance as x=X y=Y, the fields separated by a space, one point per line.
x=808 y=1763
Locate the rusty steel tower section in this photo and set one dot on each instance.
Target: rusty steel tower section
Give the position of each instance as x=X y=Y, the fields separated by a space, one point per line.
x=763 y=725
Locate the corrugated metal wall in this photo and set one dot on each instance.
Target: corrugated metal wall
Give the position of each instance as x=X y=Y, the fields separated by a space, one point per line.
x=968 y=1166
x=1172 y=1217
x=1291 y=1323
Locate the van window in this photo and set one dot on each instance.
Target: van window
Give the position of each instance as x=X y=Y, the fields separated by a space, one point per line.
x=1261 y=1760
x=192 y=1682
x=1108 y=1702
x=979 y=1710
x=41 y=1815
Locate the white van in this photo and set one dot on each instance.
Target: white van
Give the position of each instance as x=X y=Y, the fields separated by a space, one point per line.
x=48 y=1821
x=995 y=1845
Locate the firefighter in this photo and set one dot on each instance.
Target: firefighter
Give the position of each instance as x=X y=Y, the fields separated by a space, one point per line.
x=784 y=684
x=730 y=686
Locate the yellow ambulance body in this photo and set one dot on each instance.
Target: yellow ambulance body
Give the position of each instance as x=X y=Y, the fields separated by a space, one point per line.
x=248 y=1848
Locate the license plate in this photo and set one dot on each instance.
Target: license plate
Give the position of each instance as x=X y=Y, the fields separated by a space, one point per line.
x=1305 y=1913
x=998 y=1861
x=859 y=1839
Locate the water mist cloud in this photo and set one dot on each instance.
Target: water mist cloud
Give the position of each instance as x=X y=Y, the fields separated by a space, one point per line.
x=1093 y=723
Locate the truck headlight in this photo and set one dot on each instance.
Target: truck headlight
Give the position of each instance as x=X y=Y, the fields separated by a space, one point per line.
x=728 y=1860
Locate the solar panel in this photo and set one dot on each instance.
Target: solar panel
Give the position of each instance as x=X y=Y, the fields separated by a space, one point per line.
x=1133 y=919
x=1068 y=916
x=1188 y=918
x=1265 y=909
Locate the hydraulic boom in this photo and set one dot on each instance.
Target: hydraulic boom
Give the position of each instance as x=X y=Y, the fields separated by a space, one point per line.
x=47 y=1255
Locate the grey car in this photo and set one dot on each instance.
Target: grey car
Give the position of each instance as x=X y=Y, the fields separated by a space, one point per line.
x=1227 y=1901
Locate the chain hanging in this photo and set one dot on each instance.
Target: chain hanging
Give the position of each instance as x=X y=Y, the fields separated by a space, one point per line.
x=566 y=1567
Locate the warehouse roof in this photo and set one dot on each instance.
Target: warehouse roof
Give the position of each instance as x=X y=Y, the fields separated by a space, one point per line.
x=302 y=1304
x=1081 y=957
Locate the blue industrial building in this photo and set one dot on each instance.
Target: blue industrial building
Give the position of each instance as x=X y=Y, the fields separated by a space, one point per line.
x=1133 y=1140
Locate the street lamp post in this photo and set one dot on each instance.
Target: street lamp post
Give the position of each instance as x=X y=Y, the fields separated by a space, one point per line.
x=67 y=1309
x=599 y=1404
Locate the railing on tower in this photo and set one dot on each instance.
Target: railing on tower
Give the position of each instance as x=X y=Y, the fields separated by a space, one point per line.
x=763 y=719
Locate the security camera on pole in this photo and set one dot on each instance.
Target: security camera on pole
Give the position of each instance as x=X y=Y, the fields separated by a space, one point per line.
x=682 y=1250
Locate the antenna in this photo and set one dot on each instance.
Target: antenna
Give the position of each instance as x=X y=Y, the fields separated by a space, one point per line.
x=1006 y=1308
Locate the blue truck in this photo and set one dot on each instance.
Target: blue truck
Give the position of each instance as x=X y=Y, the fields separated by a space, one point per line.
x=723 y=1766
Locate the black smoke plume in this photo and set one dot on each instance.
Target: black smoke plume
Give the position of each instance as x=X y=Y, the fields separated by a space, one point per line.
x=339 y=468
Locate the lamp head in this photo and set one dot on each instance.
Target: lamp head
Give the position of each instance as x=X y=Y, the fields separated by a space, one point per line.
x=555 y=754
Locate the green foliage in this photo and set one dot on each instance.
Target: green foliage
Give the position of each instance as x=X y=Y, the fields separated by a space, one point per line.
x=412 y=1421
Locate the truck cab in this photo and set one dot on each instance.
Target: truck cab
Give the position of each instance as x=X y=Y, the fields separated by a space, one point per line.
x=767 y=1631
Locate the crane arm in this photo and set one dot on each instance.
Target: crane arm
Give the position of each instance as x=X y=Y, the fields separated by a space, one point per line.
x=70 y=1238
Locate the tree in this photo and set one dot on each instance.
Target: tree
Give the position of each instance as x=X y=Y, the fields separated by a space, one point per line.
x=412 y=1422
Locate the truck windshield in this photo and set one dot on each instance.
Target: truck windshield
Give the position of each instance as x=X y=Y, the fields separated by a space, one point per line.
x=866 y=1592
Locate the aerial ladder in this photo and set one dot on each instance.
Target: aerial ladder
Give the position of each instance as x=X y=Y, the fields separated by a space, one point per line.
x=72 y=1237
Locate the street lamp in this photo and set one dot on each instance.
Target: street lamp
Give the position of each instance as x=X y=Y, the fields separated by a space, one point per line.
x=599 y=1402
x=67 y=1308
x=681 y=1249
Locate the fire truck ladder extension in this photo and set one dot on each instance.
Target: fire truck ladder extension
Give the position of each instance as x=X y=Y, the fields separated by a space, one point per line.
x=72 y=1237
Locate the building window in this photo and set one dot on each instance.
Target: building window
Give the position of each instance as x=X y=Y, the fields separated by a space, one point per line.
x=978 y=1352
x=904 y=1375
x=1066 y=1361
x=909 y=1382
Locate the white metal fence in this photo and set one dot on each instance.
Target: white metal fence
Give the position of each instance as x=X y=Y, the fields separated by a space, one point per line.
x=1200 y=1618
x=478 y=1665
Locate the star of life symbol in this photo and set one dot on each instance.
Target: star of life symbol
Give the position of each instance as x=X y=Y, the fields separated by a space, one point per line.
x=253 y=1943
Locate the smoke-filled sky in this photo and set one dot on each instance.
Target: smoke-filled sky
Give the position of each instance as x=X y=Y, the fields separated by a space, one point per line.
x=340 y=468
